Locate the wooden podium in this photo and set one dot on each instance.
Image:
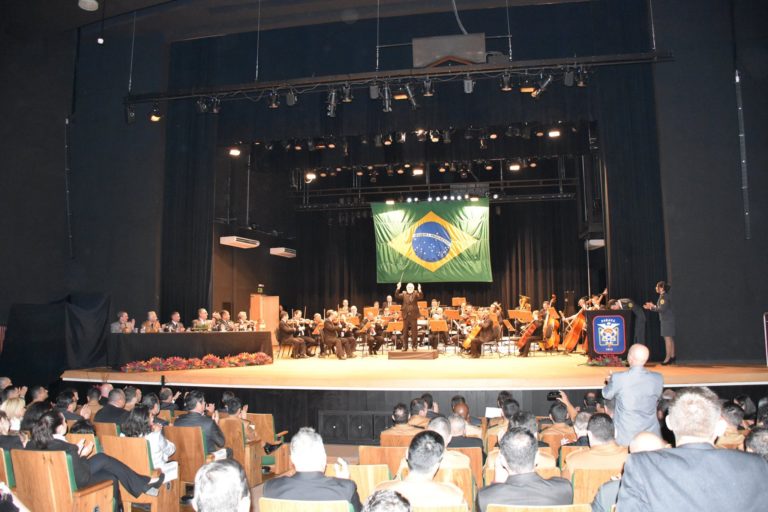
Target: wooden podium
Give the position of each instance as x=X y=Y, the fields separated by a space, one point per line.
x=264 y=311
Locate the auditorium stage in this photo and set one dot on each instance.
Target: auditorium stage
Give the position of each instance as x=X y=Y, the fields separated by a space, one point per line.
x=447 y=372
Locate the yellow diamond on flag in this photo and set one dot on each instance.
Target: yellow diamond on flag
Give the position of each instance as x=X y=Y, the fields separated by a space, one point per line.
x=431 y=242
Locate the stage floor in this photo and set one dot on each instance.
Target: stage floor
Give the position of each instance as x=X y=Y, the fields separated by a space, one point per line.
x=446 y=373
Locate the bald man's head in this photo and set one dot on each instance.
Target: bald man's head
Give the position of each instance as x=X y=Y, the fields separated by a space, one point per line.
x=462 y=410
x=647 y=442
x=638 y=355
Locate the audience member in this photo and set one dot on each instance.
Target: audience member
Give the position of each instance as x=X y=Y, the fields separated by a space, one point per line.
x=418 y=411
x=33 y=414
x=733 y=415
x=560 y=431
x=748 y=406
x=168 y=399
x=92 y=400
x=38 y=393
x=309 y=483
x=48 y=434
x=66 y=404
x=459 y=438
x=194 y=402
x=5 y=382
x=221 y=486
x=401 y=426
x=451 y=458
x=139 y=423
x=386 y=501
x=105 y=389
x=757 y=442
x=15 y=408
x=661 y=413
x=522 y=487
x=433 y=410
x=462 y=409
x=152 y=403
x=607 y=493
x=236 y=409
x=544 y=457
x=509 y=408
x=425 y=454
x=580 y=427
x=637 y=393
x=113 y=411
x=8 y=441
x=714 y=479
x=603 y=452
x=132 y=397
x=226 y=396
x=502 y=397
x=82 y=427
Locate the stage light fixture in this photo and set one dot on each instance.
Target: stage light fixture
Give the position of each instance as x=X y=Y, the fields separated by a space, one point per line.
x=323 y=174
x=568 y=78
x=401 y=136
x=463 y=174
x=581 y=78
x=506 y=82
x=155 y=115
x=215 y=105
x=331 y=144
x=410 y=96
x=408 y=200
x=377 y=141
x=374 y=92
x=466 y=196
x=373 y=176
x=483 y=142
x=359 y=172
x=201 y=105
x=309 y=177
x=387 y=140
x=429 y=199
x=291 y=98
x=441 y=169
x=437 y=198
x=542 y=87
x=514 y=165
x=469 y=85
x=445 y=197
x=274 y=100
x=390 y=202
x=415 y=199
x=488 y=166
x=386 y=99
x=346 y=94
x=400 y=170
x=553 y=133
x=452 y=167
x=493 y=135
x=474 y=199
x=526 y=87
x=418 y=171
x=453 y=198
x=400 y=95
x=234 y=152
x=88 y=5
x=446 y=136
x=434 y=135
x=333 y=101
x=539 y=133
x=298 y=146
x=495 y=196
x=130 y=114
x=332 y=174
x=533 y=163
x=407 y=166
x=390 y=171
x=428 y=90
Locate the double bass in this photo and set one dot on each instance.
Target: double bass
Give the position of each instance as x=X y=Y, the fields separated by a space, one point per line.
x=551 y=326
x=471 y=336
x=577 y=327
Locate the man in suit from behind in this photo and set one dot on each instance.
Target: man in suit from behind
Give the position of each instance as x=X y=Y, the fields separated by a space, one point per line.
x=221 y=485
x=603 y=452
x=522 y=487
x=309 y=483
x=194 y=402
x=459 y=438
x=401 y=426
x=113 y=411
x=636 y=393
x=418 y=409
x=695 y=475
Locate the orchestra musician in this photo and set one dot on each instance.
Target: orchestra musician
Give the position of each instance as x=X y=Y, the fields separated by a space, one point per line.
x=243 y=324
x=388 y=303
x=123 y=325
x=410 y=313
x=436 y=337
x=344 y=309
x=151 y=324
x=225 y=324
x=201 y=322
x=332 y=329
x=175 y=324
x=374 y=333
x=285 y=337
x=300 y=330
x=595 y=304
x=538 y=319
x=485 y=335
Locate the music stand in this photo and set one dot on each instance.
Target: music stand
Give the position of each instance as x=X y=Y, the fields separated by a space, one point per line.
x=394 y=327
x=451 y=314
x=422 y=304
x=370 y=309
x=438 y=326
x=458 y=301
x=523 y=316
x=424 y=312
x=394 y=308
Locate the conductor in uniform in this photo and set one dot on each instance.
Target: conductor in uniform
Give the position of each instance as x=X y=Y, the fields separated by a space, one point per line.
x=410 y=312
x=663 y=307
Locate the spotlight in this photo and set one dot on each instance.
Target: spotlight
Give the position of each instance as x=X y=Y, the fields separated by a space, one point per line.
x=434 y=136
x=469 y=85
x=88 y=5
x=298 y=146
x=533 y=163
x=390 y=171
x=390 y=202
x=441 y=169
x=415 y=199
x=400 y=170
x=155 y=115
x=407 y=166
x=542 y=87
x=311 y=146
x=387 y=140
x=421 y=135
x=408 y=200
x=512 y=131
x=274 y=100
x=309 y=177
x=493 y=136
x=235 y=152
x=373 y=176
x=411 y=97
x=346 y=94
x=359 y=172
x=400 y=95
x=201 y=104
x=526 y=87
x=429 y=199
x=506 y=82
x=130 y=114
x=488 y=166
x=331 y=144
x=581 y=78
x=495 y=196
x=418 y=170
x=445 y=198
x=553 y=133
x=453 y=198
x=377 y=141
x=373 y=92
x=401 y=137
x=386 y=98
x=466 y=196
x=100 y=40
x=428 y=90
x=215 y=105
x=568 y=78
x=446 y=136
x=333 y=100
x=539 y=133
x=323 y=174
x=291 y=98
x=514 y=165
x=437 y=198
x=483 y=142
x=464 y=174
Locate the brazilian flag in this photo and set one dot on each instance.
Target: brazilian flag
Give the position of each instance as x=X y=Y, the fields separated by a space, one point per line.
x=432 y=242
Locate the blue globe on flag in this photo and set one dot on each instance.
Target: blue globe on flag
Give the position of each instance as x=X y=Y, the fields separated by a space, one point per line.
x=431 y=242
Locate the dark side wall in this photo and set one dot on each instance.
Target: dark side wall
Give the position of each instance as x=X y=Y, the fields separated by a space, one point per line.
x=719 y=278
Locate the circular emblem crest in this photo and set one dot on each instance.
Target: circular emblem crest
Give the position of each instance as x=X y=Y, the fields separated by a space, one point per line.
x=431 y=242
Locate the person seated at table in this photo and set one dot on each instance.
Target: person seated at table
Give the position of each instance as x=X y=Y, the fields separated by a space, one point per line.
x=123 y=325
x=201 y=323
x=151 y=324
x=243 y=324
x=225 y=324
x=175 y=324
x=215 y=320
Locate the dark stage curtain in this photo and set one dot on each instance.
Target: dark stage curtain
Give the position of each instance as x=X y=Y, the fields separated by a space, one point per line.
x=534 y=250
x=189 y=194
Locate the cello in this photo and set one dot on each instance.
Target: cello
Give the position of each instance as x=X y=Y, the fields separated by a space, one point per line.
x=578 y=325
x=526 y=335
x=551 y=325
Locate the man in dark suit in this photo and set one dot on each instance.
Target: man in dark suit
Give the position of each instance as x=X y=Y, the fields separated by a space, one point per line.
x=194 y=402
x=459 y=437
x=113 y=411
x=285 y=336
x=345 y=346
x=410 y=312
x=66 y=405
x=694 y=475
x=523 y=486
x=168 y=399
x=637 y=393
x=310 y=483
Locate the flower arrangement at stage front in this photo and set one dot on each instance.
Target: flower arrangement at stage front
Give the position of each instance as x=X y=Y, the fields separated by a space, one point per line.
x=158 y=364
x=607 y=360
